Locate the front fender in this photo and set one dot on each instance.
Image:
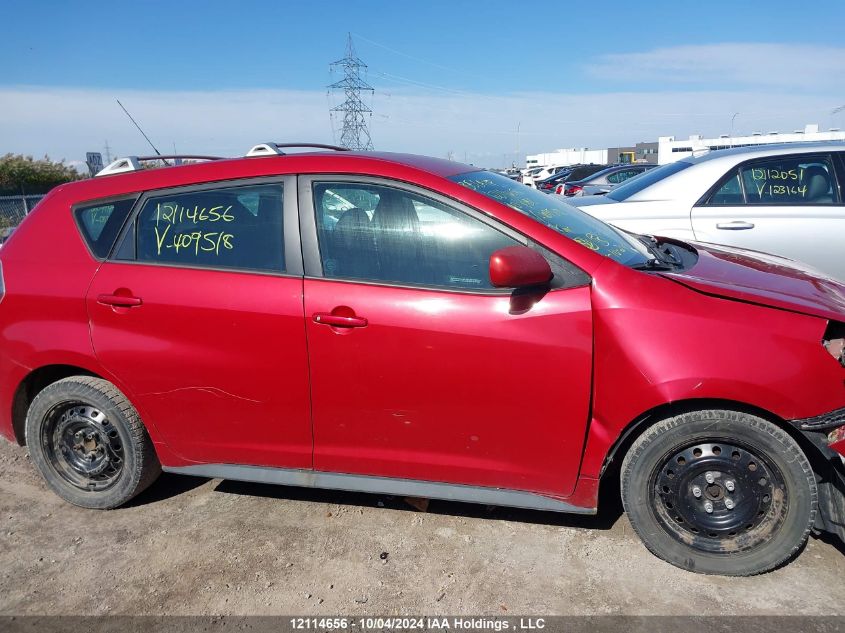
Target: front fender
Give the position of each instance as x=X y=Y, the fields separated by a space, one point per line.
x=658 y=343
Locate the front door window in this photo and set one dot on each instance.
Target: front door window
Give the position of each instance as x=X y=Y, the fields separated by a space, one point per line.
x=382 y=234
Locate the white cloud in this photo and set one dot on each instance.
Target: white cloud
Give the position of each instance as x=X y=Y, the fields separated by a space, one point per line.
x=785 y=66
x=65 y=123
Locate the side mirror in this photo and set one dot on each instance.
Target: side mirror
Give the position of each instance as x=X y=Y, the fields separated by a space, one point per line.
x=518 y=267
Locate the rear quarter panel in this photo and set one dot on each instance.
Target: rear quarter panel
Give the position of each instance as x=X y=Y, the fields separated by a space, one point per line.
x=43 y=318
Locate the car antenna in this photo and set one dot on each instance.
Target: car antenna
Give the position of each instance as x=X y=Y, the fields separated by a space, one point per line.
x=155 y=149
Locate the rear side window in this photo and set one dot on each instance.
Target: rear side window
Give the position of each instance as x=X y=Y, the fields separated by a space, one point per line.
x=622 y=176
x=231 y=227
x=100 y=223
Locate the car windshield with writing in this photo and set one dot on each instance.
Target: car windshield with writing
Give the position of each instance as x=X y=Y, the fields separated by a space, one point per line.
x=635 y=185
x=559 y=216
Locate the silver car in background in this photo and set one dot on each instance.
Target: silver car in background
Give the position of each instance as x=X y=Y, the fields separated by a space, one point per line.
x=785 y=199
x=603 y=181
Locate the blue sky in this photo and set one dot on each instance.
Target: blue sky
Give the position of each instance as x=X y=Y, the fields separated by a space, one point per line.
x=453 y=76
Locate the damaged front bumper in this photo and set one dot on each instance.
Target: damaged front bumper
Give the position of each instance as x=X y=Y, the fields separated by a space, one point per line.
x=836 y=441
x=829 y=468
x=831 y=515
x=822 y=422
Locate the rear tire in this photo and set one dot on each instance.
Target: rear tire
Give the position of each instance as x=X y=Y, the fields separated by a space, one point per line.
x=89 y=443
x=719 y=492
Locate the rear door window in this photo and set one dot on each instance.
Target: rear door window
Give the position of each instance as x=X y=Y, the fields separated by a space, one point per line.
x=228 y=227
x=793 y=180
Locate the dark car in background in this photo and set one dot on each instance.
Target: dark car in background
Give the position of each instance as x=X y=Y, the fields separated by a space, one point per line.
x=600 y=182
x=573 y=172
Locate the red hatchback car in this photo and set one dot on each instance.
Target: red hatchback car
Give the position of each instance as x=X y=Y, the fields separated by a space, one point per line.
x=407 y=325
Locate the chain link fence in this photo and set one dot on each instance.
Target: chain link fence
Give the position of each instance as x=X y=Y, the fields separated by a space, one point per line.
x=14 y=208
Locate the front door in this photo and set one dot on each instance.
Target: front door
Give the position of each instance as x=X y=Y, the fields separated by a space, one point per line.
x=420 y=369
x=199 y=317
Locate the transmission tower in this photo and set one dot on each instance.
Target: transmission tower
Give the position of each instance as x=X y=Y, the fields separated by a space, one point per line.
x=355 y=134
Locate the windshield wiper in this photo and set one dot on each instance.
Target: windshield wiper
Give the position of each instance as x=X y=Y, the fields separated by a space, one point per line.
x=655 y=264
x=664 y=256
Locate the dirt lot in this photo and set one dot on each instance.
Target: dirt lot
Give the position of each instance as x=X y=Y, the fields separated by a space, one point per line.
x=196 y=546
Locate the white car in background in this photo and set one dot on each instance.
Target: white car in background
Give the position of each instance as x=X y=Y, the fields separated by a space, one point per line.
x=785 y=199
x=531 y=176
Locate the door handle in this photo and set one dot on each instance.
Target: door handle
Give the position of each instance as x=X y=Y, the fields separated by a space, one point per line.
x=324 y=318
x=119 y=301
x=736 y=225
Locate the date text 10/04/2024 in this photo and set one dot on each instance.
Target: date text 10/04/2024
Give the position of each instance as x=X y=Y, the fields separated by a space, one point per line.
x=421 y=623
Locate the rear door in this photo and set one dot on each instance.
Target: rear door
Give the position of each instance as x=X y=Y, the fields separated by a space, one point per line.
x=420 y=369
x=198 y=315
x=789 y=205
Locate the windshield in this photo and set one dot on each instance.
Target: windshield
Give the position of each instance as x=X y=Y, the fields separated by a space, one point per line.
x=646 y=179
x=558 y=215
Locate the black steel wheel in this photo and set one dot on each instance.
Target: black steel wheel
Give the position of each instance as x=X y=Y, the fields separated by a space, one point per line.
x=82 y=445
x=89 y=443
x=719 y=492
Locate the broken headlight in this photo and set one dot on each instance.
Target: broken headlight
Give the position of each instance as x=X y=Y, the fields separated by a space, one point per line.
x=834 y=341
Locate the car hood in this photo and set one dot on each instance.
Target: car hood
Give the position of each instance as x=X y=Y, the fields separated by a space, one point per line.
x=764 y=279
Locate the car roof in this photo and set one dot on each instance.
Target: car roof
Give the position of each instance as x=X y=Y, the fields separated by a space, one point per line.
x=768 y=149
x=346 y=162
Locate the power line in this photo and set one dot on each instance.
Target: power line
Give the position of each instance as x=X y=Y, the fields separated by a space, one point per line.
x=417 y=59
x=422 y=84
x=355 y=134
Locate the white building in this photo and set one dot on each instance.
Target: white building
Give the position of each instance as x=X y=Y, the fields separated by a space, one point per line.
x=669 y=150
x=561 y=157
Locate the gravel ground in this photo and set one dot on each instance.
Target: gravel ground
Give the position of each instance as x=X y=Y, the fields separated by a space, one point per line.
x=197 y=546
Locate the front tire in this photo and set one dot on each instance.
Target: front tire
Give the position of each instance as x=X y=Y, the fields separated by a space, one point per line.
x=719 y=492
x=89 y=443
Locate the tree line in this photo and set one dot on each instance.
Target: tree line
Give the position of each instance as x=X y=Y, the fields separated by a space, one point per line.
x=24 y=175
